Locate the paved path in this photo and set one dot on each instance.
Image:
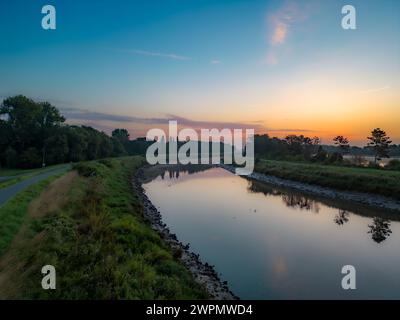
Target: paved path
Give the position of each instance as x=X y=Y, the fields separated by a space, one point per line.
x=10 y=177
x=8 y=192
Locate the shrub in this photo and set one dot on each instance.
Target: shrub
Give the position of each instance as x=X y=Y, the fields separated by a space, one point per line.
x=393 y=165
x=373 y=165
x=335 y=157
x=89 y=169
x=320 y=156
x=107 y=162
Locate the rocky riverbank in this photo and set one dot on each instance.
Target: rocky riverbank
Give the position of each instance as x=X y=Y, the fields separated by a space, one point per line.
x=368 y=199
x=203 y=273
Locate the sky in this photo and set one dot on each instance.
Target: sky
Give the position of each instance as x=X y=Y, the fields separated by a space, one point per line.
x=280 y=67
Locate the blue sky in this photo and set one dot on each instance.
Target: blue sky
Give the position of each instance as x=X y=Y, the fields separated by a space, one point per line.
x=279 y=65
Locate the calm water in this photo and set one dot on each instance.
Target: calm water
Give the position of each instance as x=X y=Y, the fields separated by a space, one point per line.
x=271 y=243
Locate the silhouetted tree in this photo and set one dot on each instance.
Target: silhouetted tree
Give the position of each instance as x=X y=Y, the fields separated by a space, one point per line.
x=50 y=120
x=30 y=124
x=302 y=145
x=380 y=143
x=32 y=133
x=343 y=143
x=121 y=134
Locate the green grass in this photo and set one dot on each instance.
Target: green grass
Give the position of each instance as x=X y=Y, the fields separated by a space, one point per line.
x=101 y=245
x=13 y=212
x=13 y=172
x=381 y=182
x=10 y=182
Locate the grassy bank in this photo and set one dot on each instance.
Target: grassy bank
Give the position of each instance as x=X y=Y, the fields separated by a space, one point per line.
x=97 y=239
x=382 y=182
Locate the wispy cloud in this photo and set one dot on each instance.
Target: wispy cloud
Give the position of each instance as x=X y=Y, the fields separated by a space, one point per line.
x=375 y=89
x=138 y=126
x=279 y=33
x=102 y=121
x=156 y=54
x=86 y=115
x=215 y=61
x=283 y=130
x=280 y=24
x=272 y=58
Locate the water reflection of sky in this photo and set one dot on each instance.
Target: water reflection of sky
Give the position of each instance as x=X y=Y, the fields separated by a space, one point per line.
x=275 y=243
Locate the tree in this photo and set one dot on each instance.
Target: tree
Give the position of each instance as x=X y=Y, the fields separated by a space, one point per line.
x=118 y=148
x=380 y=143
x=121 y=134
x=30 y=158
x=77 y=143
x=30 y=124
x=49 y=119
x=10 y=158
x=301 y=145
x=343 y=144
x=32 y=133
x=57 y=148
x=5 y=139
x=21 y=115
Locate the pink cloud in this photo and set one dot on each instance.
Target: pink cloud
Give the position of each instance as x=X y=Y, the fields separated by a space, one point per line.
x=280 y=24
x=279 y=34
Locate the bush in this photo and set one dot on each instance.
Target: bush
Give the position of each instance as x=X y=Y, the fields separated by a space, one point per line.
x=320 y=156
x=393 y=165
x=335 y=157
x=373 y=165
x=107 y=162
x=89 y=169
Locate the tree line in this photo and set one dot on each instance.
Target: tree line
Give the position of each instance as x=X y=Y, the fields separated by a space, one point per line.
x=299 y=147
x=34 y=134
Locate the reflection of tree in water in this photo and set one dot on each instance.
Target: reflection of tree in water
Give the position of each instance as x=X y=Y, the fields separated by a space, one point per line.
x=174 y=171
x=342 y=217
x=301 y=202
x=290 y=199
x=171 y=171
x=380 y=230
x=258 y=187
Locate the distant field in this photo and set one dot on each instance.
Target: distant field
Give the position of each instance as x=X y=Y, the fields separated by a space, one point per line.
x=382 y=182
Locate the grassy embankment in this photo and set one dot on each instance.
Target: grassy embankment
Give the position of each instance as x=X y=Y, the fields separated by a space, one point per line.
x=377 y=181
x=90 y=227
